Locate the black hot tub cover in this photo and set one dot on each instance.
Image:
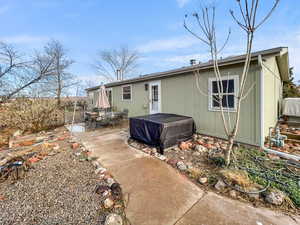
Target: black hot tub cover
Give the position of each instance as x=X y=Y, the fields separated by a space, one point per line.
x=161 y=130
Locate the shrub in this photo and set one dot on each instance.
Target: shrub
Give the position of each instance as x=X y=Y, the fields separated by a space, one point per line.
x=31 y=114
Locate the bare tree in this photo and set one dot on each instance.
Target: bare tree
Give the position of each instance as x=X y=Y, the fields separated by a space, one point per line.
x=40 y=68
x=10 y=62
x=10 y=59
x=249 y=23
x=18 y=74
x=61 y=80
x=82 y=85
x=116 y=64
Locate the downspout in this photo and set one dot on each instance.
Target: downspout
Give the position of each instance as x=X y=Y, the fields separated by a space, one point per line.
x=261 y=106
x=262 y=133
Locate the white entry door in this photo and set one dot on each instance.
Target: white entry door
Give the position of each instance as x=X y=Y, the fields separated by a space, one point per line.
x=155 y=97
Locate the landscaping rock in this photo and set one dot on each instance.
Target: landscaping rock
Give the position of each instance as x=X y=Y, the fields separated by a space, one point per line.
x=100 y=170
x=100 y=189
x=110 y=181
x=189 y=165
x=183 y=146
x=200 y=148
x=220 y=185
x=113 y=219
x=203 y=180
x=40 y=139
x=105 y=193
x=77 y=153
x=108 y=203
x=116 y=191
x=153 y=150
x=233 y=193
x=195 y=137
x=17 y=133
x=181 y=166
x=56 y=147
x=196 y=154
x=253 y=196
x=275 y=197
x=161 y=157
x=10 y=143
x=176 y=149
x=75 y=145
x=96 y=164
x=172 y=162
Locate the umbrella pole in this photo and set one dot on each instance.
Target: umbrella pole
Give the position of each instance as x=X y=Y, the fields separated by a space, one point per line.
x=74 y=111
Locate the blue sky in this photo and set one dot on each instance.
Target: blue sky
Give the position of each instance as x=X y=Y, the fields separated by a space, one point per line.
x=152 y=27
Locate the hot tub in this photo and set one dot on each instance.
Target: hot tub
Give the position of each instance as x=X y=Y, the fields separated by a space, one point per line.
x=161 y=130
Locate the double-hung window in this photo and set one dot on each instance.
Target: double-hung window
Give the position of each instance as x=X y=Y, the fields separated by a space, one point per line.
x=228 y=87
x=126 y=92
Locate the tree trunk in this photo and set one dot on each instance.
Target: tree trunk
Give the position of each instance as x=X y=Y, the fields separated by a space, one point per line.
x=229 y=150
x=59 y=84
x=10 y=95
x=59 y=96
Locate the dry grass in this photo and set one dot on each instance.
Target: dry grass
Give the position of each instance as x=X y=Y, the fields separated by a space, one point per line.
x=236 y=177
x=195 y=173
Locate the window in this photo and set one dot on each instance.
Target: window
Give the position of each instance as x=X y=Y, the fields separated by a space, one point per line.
x=229 y=91
x=126 y=92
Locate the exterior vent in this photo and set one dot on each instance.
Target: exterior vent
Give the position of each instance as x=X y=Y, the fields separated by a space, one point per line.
x=193 y=62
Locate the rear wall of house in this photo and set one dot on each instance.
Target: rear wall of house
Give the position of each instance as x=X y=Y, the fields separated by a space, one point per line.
x=180 y=95
x=139 y=103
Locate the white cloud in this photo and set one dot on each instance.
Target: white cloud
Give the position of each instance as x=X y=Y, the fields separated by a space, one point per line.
x=168 y=44
x=24 y=39
x=182 y=3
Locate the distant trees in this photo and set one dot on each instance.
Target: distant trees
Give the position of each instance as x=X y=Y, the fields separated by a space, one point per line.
x=116 y=64
x=290 y=89
x=45 y=71
x=59 y=82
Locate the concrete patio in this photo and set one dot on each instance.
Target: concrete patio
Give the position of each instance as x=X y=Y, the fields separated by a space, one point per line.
x=160 y=195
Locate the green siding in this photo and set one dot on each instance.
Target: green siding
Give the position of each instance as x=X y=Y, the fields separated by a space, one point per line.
x=139 y=100
x=180 y=96
x=272 y=93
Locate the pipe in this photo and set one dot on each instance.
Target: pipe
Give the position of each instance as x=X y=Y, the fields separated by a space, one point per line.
x=281 y=154
x=261 y=102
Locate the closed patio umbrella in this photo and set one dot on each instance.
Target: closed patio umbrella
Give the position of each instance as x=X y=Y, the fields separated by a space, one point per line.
x=102 y=101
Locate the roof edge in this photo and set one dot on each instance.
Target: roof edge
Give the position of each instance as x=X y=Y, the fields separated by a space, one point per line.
x=203 y=66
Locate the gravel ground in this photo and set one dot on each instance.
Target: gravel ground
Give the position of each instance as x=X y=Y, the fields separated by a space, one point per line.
x=57 y=190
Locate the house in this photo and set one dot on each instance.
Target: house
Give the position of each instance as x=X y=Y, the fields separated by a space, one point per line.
x=175 y=91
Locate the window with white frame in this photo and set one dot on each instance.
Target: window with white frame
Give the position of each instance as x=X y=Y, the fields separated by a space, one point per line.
x=126 y=92
x=228 y=87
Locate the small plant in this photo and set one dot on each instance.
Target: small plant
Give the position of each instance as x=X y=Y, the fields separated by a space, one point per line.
x=218 y=161
x=277 y=173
